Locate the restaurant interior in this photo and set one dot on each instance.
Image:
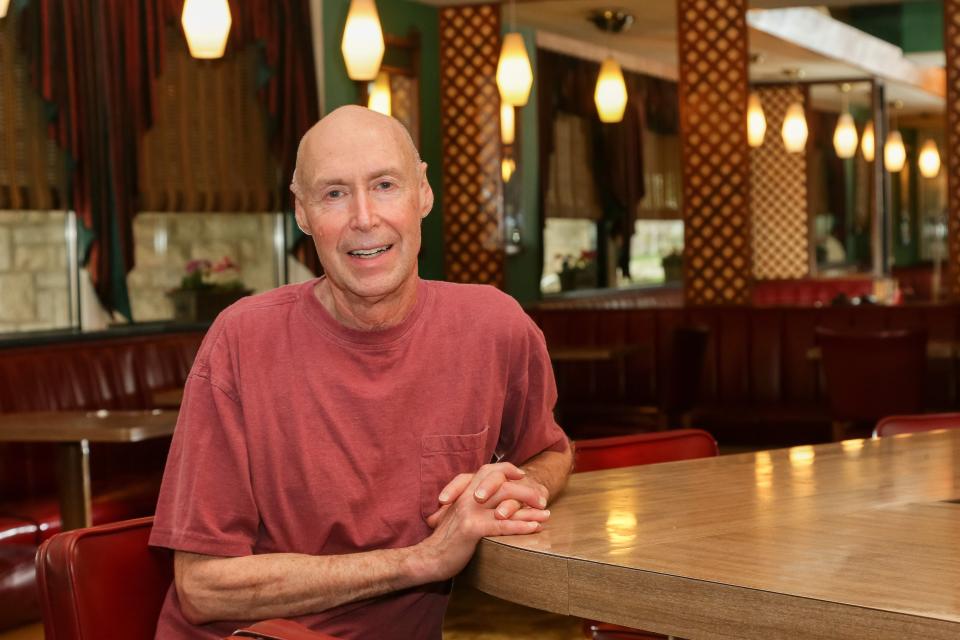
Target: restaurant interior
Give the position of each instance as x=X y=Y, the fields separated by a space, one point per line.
x=726 y=216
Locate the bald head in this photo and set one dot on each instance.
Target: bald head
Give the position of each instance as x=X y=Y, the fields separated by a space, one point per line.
x=349 y=130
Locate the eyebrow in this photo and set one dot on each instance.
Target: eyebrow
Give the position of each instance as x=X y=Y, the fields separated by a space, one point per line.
x=320 y=184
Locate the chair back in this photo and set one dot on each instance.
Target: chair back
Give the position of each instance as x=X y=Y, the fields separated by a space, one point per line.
x=643 y=448
x=895 y=425
x=103 y=582
x=687 y=353
x=871 y=375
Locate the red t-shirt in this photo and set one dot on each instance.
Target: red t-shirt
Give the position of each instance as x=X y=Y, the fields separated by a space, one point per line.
x=297 y=434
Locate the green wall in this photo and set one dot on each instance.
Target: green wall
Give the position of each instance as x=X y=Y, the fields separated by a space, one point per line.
x=397 y=18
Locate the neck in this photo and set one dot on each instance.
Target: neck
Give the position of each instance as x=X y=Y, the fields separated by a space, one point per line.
x=367 y=314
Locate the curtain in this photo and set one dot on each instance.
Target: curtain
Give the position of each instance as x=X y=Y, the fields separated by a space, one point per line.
x=95 y=61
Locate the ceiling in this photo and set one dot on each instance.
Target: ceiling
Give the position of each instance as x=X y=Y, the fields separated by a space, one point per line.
x=652 y=38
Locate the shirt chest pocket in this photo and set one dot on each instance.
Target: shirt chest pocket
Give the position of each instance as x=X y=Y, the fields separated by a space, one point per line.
x=443 y=457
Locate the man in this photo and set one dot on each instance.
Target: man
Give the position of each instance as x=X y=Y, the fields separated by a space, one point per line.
x=330 y=462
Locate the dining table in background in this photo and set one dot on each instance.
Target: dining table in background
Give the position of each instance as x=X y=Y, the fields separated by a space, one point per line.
x=73 y=431
x=616 y=354
x=849 y=540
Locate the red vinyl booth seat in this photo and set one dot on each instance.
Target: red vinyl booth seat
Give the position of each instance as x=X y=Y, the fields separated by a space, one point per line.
x=895 y=425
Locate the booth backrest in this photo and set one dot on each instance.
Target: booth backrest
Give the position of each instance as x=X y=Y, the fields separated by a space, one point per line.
x=111 y=373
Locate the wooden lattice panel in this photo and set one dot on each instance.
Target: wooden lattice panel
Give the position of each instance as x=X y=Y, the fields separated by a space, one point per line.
x=778 y=194
x=712 y=36
x=470 y=121
x=951 y=46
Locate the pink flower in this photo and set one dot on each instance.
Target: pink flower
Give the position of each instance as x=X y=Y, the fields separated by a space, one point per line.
x=199 y=264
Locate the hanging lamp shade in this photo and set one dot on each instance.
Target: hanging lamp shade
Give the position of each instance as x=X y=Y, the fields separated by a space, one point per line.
x=845 y=137
x=610 y=95
x=514 y=73
x=868 y=145
x=507 y=167
x=508 y=124
x=756 y=121
x=206 y=24
x=794 y=129
x=894 y=153
x=929 y=160
x=379 y=99
x=362 y=45
x=4 y=7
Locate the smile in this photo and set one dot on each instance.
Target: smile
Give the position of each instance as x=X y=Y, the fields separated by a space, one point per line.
x=370 y=253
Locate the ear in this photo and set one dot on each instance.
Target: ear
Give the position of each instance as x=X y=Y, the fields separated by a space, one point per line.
x=426 y=192
x=301 y=216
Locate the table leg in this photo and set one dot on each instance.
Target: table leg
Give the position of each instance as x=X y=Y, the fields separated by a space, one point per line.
x=73 y=481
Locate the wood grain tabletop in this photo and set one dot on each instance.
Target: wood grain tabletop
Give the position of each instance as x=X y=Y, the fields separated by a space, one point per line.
x=95 y=426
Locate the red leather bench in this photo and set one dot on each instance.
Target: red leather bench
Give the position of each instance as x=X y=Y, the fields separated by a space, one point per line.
x=119 y=372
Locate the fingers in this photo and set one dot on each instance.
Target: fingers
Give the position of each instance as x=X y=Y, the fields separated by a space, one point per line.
x=455 y=487
x=491 y=477
x=527 y=493
x=513 y=510
x=514 y=527
x=434 y=518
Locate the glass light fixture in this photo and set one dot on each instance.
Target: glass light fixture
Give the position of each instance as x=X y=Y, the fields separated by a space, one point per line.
x=929 y=160
x=756 y=121
x=868 y=145
x=610 y=95
x=794 y=130
x=379 y=99
x=845 y=136
x=4 y=6
x=206 y=24
x=362 y=45
x=508 y=125
x=894 y=153
x=507 y=168
x=514 y=73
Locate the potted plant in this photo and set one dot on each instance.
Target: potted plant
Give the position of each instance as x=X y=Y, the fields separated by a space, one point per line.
x=578 y=272
x=206 y=289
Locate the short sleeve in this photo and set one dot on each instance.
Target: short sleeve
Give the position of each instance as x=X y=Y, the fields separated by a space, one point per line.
x=206 y=500
x=528 y=426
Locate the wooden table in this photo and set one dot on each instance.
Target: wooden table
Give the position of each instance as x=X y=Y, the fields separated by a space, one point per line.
x=936 y=350
x=858 y=539
x=612 y=353
x=73 y=431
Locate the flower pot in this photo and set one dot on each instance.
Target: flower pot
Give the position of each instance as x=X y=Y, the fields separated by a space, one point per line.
x=202 y=305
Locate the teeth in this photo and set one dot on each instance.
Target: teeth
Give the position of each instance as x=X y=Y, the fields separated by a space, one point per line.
x=366 y=253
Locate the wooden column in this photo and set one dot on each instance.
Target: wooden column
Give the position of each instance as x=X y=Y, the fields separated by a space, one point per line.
x=951 y=48
x=470 y=124
x=713 y=90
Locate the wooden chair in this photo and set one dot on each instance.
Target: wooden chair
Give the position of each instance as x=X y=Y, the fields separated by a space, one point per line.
x=872 y=375
x=626 y=451
x=895 y=425
x=106 y=582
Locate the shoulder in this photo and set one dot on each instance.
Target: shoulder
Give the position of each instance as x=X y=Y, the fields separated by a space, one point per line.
x=477 y=300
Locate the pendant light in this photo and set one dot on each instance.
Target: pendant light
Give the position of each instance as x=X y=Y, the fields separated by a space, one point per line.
x=868 y=145
x=894 y=153
x=4 y=6
x=507 y=168
x=514 y=73
x=610 y=94
x=929 y=160
x=845 y=135
x=206 y=24
x=380 y=99
x=756 y=121
x=362 y=45
x=794 y=130
x=508 y=125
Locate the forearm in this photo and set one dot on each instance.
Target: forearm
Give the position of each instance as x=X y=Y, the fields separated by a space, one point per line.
x=551 y=469
x=278 y=585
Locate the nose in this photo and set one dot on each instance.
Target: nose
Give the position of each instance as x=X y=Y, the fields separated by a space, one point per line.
x=364 y=216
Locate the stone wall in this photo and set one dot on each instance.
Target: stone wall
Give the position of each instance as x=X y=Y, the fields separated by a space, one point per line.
x=165 y=242
x=34 y=279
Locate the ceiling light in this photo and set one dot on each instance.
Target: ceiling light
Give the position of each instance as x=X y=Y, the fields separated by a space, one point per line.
x=756 y=121
x=868 y=145
x=929 y=160
x=894 y=153
x=794 y=130
x=380 y=100
x=4 y=5
x=508 y=125
x=610 y=95
x=845 y=136
x=362 y=45
x=514 y=73
x=206 y=24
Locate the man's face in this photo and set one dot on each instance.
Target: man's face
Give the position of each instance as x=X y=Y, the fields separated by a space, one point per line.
x=362 y=197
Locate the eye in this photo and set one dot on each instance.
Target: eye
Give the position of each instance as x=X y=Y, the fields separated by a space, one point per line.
x=334 y=194
x=385 y=185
